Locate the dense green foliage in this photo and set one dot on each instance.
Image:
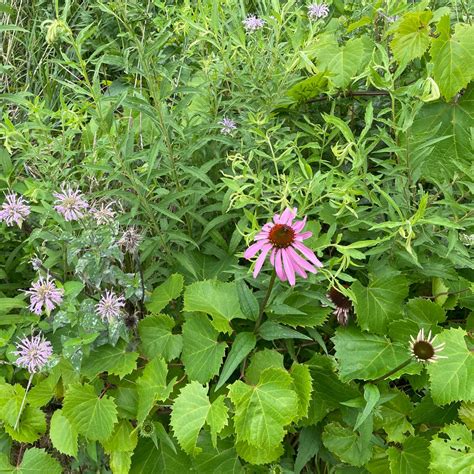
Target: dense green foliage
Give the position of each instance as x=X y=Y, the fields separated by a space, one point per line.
x=362 y=120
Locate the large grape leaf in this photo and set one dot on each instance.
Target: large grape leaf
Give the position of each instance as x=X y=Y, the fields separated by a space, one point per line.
x=63 y=434
x=453 y=57
x=219 y=300
x=368 y=356
x=302 y=384
x=34 y=461
x=157 y=338
x=123 y=438
x=262 y=411
x=202 y=354
x=380 y=302
x=167 y=291
x=412 y=458
x=411 y=37
x=32 y=425
x=451 y=378
x=91 y=416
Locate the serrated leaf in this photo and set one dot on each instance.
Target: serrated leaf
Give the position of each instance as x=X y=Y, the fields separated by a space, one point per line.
x=120 y=461
x=190 y=411
x=202 y=354
x=454 y=455
x=243 y=344
x=309 y=88
x=157 y=337
x=452 y=57
x=152 y=386
x=32 y=425
x=412 y=458
x=258 y=455
x=309 y=442
x=167 y=291
x=115 y=360
x=466 y=414
x=248 y=302
x=379 y=303
x=92 y=416
x=346 y=444
x=11 y=397
x=260 y=361
x=451 y=378
x=219 y=300
x=269 y=331
x=222 y=460
x=302 y=384
x=123 y=438
x=262 y=411
x=411 y=38
x=371 y=396
x=63 y=435
x=217 y=418
x=367 y=356
x=35 y=461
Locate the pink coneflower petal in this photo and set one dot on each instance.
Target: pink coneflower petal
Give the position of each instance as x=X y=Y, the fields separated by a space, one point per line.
x=279 y=266
x=253 y=249
x=288 y=267
x=309 y=254
x=299 y=225
x=261 y=259
x=301 y=262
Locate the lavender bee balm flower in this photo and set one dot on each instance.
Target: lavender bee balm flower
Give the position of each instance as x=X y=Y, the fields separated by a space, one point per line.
x=44 y=293
x=14 y=210
x=34 y=353
x=253 y=23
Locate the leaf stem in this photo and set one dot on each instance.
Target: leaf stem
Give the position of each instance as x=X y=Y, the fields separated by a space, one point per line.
x=391 y=372
x=23 y=402
x=264 y=302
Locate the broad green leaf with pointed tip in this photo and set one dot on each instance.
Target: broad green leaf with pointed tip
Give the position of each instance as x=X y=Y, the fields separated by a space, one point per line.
x=123 y=438
x=451 y=378
x=167 y=291
x=93 y=417
x=63 y=434
x=32 y=425
x=217 y=417
x=157 y=337
x=202 y=354
x=412 y=458
x=35 y=461
x=219 y=300
x=466 y=414
x=263 y=411
x=120 y=461
x=258 y=455
x=302 y=384
x=260 y=361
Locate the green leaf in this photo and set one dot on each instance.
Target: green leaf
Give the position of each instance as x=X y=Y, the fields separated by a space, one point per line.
x=367 y=356
x=6 y=304
x=411 y=38
x=309 y=88
x=217 y=418
x=453 y=58
x=219 y=300
x=35 y=461
x=120 y=461
x=466 y=414
x=202 y=354
x=163 y=294
x=115 y=360
x=123 y=438
x=454 y=455
x=63 y=435
x=11 y=397
x=190 y=411
x=258 y=455
x=413 y=458
x=248 y=302
x=371 y=396
x=92 y=417
x=346 y=444
x=32 y=425
x=451 y=378
x=157 y=337
x=222 y=460
x=269 y=331
x=309 y=442
x=243 y=344
x=392 y=417
x=262 y=411
x=379 y=303
x=152 y=386
x=302 y=384
x=260 y=361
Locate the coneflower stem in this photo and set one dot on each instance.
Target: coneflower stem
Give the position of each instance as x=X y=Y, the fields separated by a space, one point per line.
x=265 y=301
x=393 y=371
x=23 y=402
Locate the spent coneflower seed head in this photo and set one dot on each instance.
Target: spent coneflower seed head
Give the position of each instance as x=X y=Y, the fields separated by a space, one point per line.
x=34 y=353
x=14 y=210
x=423 y=349
x=343 y=305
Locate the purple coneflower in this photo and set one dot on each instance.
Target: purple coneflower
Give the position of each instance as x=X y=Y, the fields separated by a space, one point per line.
x=423 y=350
x=318 y=10
x=34 y=353
x=105 y=214
x=130 y=240
x=343 y=305
x=110 y=306
x=228 y=126
x=44 y=293
x=14 y=210
x=284 y=238
x=253 y=23
x=70 y=204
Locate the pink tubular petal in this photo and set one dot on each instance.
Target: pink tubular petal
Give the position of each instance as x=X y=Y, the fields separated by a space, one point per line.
x=286 y=216
x=300 y=261
x=277 y=219
x=253 y=249
x=303 y=236
x=279 y=267
x=272 y=257
x=261 y=236
x=299 y=225
x=309 y=254
x=288 y=267
x=298 y=270
x=261 y=259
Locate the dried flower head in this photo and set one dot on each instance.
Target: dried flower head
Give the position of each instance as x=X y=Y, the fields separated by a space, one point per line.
x=70 y=203
x=228 y=126
x=103 y=214
x=284 y=238
x=36 y=263
x=423 y=350
x=44 y=293
x=318 y=10
x=34 y=353
x=110 y=306
x=14 y=210
x=343 y=305
x=130 y=240
x=253 y=23
x=147 y=430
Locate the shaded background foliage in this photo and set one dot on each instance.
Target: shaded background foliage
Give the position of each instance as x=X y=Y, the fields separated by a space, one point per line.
x=362 y=120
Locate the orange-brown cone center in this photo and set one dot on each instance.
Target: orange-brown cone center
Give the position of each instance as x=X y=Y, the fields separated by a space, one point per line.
x=281 y=236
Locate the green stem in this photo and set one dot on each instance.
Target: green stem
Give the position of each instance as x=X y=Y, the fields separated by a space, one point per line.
x=391 y=372
x=265 y=301
x=23 y=402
